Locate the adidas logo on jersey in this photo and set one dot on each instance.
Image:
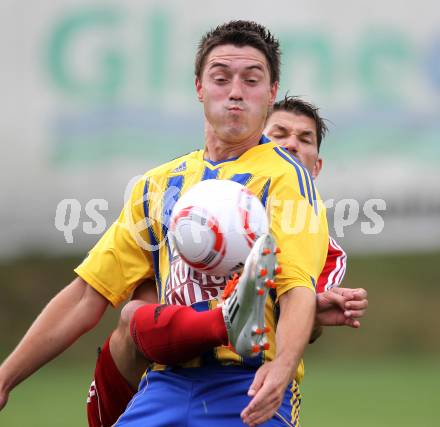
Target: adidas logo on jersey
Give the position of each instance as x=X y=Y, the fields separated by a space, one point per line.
x=180 y=168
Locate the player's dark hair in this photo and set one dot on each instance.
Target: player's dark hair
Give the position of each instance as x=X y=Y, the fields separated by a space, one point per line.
x=241 y=33
x=295 y=105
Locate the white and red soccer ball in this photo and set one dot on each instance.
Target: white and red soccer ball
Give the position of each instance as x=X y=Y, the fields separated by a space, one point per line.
x=215 y=224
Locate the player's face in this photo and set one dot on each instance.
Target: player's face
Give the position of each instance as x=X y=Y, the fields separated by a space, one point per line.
x=297 y=133
x=236 y=92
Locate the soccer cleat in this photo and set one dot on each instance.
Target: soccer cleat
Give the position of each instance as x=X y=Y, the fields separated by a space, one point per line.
x=230 y=286
x=269 y=283
x=243 y=311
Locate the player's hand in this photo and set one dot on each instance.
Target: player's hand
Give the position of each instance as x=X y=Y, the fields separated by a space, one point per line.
x=267 y=390
x=341 y=306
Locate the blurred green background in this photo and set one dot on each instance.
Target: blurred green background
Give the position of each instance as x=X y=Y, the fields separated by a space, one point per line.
x=384 y=374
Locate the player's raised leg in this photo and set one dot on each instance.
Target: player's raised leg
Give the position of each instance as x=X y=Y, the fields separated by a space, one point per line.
x=170 y=334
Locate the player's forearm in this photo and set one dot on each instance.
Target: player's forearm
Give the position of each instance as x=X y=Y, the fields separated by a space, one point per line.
x=71 y=313
x=297 y=315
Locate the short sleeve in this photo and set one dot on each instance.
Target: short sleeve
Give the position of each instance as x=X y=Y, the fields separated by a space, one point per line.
x=121 y=259
x=299 y=226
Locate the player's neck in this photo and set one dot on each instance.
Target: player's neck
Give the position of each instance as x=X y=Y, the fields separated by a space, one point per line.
x=217 y=149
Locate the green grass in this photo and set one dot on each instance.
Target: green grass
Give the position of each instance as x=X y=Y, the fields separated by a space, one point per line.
x=387 y=393
x=386 y=374
x=55 y=396
x=384 y=393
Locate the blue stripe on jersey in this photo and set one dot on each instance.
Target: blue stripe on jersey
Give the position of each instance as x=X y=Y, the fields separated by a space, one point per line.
x=153 y=241
x=265 y=193
x=211 y=162
x=210 y=174
x=315 y=203
x=307 y=177
x=312 y=198
x=306 y=173
x=313 y=281
x=298 y=172
x=170 y=197
x=264 y=140
x=241 y=178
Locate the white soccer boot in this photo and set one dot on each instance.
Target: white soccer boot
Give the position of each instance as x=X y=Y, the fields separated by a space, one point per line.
x=243 y=310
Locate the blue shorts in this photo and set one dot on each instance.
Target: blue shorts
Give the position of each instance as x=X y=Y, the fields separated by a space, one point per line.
x=200 y=397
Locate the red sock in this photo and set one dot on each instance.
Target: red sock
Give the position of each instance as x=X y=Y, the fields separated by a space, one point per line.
x=109 y=393
x=170 y=334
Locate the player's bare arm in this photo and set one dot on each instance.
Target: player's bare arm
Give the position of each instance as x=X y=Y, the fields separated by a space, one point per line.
x=297 y=307
x=71 y=313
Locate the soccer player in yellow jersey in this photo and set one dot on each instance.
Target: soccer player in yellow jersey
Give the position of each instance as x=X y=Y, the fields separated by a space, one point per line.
x=237 y=73
x=237 y=87
x=173 y=334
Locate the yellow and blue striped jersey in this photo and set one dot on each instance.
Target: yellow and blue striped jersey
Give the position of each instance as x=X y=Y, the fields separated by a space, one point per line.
x=136 y=247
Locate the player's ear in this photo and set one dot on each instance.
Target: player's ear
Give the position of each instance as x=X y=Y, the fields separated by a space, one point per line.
x=199 y=91
x=317 y=168
x=273 y=94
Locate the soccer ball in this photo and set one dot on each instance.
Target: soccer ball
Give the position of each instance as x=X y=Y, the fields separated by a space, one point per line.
x=215 y=224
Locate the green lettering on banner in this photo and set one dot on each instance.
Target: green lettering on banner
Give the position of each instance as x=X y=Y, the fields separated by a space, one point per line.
x=384 y=60
x=67 y=37
x=158 y=39
x=90 y=150
x=310 y=49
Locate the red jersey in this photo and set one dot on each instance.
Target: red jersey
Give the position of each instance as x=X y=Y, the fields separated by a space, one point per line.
x=334 y=268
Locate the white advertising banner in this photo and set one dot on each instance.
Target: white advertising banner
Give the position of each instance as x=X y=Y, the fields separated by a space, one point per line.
x=94 y=93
